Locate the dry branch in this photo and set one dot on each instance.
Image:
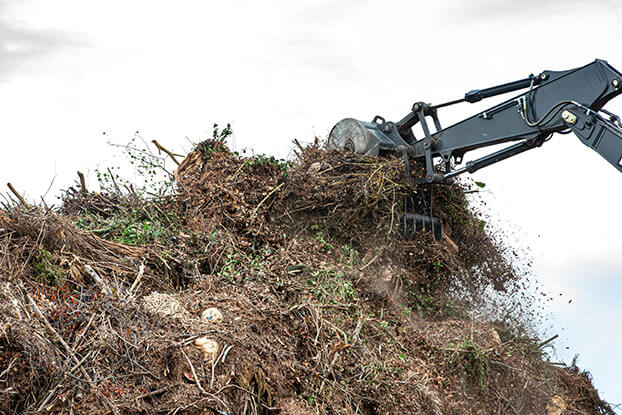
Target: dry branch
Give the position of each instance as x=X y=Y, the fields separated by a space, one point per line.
x=98 y=280
x=18 y=196
x=58 y=337
x=83 y=188
x=161 y=148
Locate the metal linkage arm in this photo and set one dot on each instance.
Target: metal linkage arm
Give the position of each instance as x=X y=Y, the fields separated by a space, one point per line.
x=596 y=132
x=473 y=166
x=478 y=94
x=529 y=117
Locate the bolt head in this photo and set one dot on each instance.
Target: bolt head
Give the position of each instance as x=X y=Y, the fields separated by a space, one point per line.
x=569 y=117
x=615 y=83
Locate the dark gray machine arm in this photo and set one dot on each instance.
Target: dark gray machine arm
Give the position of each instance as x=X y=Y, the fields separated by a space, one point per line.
x=596 y=132
x=529 y=119
x=556 y=102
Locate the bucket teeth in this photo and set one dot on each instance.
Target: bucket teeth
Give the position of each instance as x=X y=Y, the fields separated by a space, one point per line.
x=416 y=222
x=413 y=222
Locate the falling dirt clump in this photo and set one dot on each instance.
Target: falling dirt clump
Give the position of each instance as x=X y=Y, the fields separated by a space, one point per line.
x=264 y=287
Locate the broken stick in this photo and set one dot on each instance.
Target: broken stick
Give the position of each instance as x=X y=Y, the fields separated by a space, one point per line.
x=170 y=154
x=98 y=280
x=58 y=337
x=547 y=341
x=17 y=195
x=82 y=183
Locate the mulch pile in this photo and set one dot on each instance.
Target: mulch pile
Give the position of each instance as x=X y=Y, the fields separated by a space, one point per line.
x=322 y=305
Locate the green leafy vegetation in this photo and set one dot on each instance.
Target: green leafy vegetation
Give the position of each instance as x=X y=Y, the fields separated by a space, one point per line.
x=474 y=363
x=152 y=176
x=240 y=266
x=141 y=224
x=47 y=269
x=217 y=144
x=332 y=287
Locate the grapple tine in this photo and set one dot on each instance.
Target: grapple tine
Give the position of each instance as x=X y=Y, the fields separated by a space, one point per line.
x=416 y=222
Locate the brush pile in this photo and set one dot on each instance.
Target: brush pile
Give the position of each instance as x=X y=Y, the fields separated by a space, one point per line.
x=263 y=287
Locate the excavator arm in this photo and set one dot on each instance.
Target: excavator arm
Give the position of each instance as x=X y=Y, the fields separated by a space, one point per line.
x=554 y=102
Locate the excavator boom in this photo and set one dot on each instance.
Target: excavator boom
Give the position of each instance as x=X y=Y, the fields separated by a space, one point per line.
x=555 y=102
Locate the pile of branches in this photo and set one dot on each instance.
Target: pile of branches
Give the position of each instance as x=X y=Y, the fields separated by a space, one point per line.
x=326 y=307
x=356 y=200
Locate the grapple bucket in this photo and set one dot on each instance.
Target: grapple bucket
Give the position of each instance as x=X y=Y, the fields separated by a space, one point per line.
x=415 y=219
x=372 y=138
x=414 y=222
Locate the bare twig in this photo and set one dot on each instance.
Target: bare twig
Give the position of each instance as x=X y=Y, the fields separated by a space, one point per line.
x=98 y=280
x=114 y=182
x=556 y=363
x=49 y=187
x=225 y=353
x=82 y=183
x=547 y=341
x=190 y=339
x=508 y=402
x=47 y=398
x=370 y=262
x=4 y=372
x=194 y=373
x=496 y=362
x=357 y=330
x=79 y=364
x=299 y=145
x=58 y=337
x=154 y=392
x=17 y=195
x=264 y=199
x=76 y=342
x=221 y=357
x=141 y=271
x=392 y=213
x=47 y=208
x=160 y=148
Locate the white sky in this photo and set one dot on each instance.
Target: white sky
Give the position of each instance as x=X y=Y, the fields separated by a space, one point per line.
x=72 y=69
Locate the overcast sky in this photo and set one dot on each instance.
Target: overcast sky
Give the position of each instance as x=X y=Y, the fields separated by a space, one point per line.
x=73 y=69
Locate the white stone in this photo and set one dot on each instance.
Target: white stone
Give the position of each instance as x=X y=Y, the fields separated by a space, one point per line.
x=211 y=315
